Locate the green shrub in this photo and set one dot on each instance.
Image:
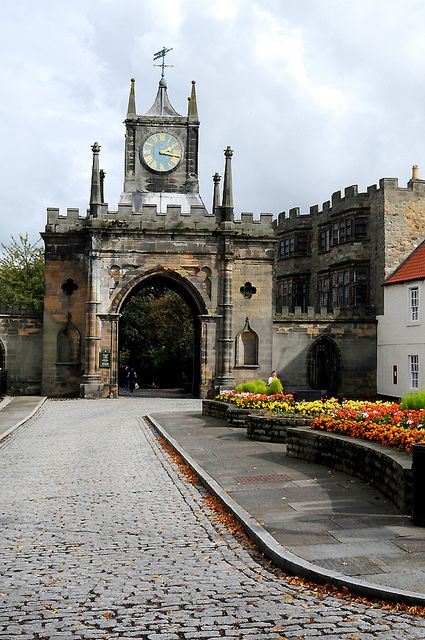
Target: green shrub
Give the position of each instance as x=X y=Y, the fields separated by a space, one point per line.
x=253 y=386
x=413 y=400
x=275 y=386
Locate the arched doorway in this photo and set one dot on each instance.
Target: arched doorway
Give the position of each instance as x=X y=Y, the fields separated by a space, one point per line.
x=324 y=366
x=159 y=334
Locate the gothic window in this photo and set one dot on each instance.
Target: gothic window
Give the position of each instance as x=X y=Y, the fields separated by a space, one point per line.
x=68 y=344
x=324 y=239
x=342 y=231
x=293 y=292
x=323 y=287
x=360 y=228
x=246 y=347
x=296 y=244
x=349 y=287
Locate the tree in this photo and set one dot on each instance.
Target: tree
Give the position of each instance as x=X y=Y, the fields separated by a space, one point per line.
x=21 y=272
x=156 y=337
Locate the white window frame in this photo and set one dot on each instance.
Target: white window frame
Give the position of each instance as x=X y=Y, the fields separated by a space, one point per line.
x=414 y=371
x=413 y=304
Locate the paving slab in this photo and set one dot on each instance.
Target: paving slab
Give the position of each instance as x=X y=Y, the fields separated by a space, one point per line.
x=322 y=516
x=15 y=411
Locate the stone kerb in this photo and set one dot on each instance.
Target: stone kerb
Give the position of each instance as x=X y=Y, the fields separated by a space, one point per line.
x=388 y=471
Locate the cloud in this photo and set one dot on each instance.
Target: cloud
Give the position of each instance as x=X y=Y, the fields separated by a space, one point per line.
x=312 y=96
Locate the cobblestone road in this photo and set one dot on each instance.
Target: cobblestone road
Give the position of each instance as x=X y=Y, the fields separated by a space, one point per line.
x=101 y=538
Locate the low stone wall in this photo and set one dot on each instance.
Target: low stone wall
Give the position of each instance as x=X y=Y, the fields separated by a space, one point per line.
x=272 y=428
x=232 y=414
x=21 y=339
x=258 y=426
x=388 y=471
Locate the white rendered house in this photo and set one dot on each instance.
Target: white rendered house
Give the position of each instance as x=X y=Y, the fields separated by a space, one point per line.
x=401 y=330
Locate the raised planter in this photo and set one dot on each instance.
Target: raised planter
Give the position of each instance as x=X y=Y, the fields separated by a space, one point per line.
x=388 y=471
x=233 y=415
x=272 y=428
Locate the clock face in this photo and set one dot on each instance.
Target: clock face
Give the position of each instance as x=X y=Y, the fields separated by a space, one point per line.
x=161 y=152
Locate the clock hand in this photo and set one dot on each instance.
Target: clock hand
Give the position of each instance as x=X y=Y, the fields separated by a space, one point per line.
x=165 y=152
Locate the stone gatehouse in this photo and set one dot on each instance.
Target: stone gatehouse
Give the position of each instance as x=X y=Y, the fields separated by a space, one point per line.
x=299 y=294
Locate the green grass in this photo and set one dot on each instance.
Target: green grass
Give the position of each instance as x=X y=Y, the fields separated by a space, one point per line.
x=413 y=400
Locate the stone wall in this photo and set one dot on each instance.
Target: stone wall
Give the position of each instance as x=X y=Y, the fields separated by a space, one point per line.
x=388 y=471
x=272 y=428
x=21 y=336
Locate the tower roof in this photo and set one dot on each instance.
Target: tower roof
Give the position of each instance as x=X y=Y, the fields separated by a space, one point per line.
x=162 y=105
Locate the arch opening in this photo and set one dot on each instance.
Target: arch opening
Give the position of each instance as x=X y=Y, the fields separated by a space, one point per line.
x=324 y=366
x=159 y=336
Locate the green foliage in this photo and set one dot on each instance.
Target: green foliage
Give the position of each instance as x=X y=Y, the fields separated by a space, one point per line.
x=157 y=338
x=413 y=400
x=253 y=386
x=21 y=272
x=275 y=386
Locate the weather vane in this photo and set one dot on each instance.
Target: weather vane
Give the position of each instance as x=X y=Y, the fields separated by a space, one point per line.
x=162 y=54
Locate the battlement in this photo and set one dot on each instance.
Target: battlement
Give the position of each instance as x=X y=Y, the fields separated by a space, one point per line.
x=248 y=225
x=338 y=204
x=149 y=217
x=325 y=315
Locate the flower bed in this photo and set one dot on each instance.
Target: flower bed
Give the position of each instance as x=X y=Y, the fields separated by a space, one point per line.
x=382 y=422
x=385 y=423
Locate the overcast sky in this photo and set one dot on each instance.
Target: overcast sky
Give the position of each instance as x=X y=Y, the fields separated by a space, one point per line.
x=312 y=96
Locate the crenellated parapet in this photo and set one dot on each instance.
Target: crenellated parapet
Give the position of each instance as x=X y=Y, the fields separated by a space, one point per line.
x=149 y=217
x=248 y=225
x=339 y=204
x=326 y=315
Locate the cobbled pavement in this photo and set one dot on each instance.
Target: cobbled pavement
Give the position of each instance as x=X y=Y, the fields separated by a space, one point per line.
x=103 y=538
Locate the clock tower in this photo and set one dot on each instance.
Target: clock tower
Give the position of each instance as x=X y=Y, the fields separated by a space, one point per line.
x=161 y=153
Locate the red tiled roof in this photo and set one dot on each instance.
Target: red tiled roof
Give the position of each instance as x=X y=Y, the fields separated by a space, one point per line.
x=412 y=268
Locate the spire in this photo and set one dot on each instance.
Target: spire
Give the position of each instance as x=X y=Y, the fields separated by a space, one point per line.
x=131 y=111
x=192 y=112
x=216 y=196
x=162 y=105
x=227 y=186
x=95 y=194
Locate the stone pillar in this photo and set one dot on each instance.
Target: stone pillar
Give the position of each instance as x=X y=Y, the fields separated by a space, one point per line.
x=225 y=377
x=91 y=380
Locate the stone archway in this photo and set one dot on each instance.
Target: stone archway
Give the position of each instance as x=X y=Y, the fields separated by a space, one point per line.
x=169 y=280
x=324 y=366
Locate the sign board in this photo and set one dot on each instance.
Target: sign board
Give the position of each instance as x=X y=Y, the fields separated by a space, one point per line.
x=104 y=359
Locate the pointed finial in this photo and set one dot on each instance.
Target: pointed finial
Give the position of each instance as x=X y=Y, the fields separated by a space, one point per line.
x=193 y=107
x=216 y=196
x=95 y=191
x=227 y=186
x=131 y=111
